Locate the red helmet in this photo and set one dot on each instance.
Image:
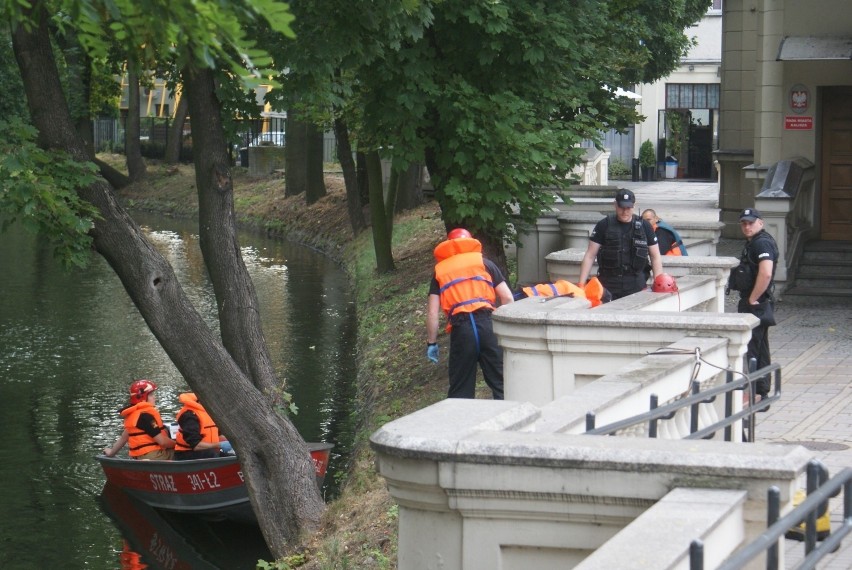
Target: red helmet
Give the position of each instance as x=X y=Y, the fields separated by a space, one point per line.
x=459 y=233
x=664 y=283
x=140 y=389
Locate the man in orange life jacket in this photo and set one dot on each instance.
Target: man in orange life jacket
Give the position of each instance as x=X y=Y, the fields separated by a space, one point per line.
x=467 y=287
x=668 y=238
x=143 y=428
x=198 y=436
x=622 y=243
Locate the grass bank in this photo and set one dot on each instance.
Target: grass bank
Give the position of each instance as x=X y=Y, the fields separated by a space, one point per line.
x=359 y=528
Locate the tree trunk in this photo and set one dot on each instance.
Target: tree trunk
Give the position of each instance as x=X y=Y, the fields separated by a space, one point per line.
x=295 y=156
x=410 y=193
x=132 y=146
x=115 y=178
x=350 y=177
x=278 y=469
x=314 y=165
x=280 y=476
x=174 y=142
x=362 y=177
x=390 y=201
x=381 y=235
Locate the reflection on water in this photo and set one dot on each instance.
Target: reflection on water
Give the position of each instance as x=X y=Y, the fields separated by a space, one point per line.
x=155 y=539
x=70 y=343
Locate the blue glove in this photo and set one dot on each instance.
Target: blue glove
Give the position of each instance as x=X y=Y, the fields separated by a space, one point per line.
x=432 y=353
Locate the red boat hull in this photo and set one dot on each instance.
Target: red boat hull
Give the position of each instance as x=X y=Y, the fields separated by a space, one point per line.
x=208 y=486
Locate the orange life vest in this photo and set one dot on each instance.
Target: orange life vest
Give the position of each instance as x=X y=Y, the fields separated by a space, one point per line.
x=593 y=290
x=465 y=284
x=209 y=429
x=139 y=442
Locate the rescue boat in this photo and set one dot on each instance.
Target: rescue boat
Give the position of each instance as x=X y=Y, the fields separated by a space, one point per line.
x=214 y=487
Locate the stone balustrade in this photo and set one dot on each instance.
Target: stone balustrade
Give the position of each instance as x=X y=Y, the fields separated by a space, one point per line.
x=567 y=226
x=479 y=486
x=552 y=347
x=627 y=392
x=565 y=264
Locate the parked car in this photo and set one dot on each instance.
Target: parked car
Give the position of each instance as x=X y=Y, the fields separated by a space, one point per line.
x=271 y=138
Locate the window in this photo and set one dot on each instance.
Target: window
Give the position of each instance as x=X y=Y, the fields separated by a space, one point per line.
x=692 y=96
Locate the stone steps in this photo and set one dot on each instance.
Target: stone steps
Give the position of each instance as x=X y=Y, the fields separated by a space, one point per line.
x=825 y=269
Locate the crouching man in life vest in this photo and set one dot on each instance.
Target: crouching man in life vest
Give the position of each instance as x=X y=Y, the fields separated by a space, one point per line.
x=198 y=436
x=468 y=287
x=594 y=291
x=668 y=238
x=143 y=432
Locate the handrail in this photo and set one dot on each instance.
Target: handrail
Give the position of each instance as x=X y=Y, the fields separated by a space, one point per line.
x=806 y=512
x=701 y=397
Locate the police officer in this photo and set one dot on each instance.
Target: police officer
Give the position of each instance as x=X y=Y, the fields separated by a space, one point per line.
x=753 y=278
x=622 y=243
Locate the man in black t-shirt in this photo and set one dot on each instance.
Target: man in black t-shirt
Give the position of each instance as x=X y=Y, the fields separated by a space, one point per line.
x=622 y=243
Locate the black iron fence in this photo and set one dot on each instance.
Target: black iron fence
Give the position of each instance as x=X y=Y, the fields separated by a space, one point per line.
x=730 y=389
x=819 y=490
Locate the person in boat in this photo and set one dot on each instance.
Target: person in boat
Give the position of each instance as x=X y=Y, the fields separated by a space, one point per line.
x=198 y=436
x=668 y=238
x=468 y=287
x=143 y=432
x=594 y=291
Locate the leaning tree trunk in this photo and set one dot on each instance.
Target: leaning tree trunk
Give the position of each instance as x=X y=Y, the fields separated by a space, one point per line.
x=280 y=474
x=278 y=469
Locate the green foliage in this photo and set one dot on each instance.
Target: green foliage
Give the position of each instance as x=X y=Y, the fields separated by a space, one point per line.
x=288 y=563
x=13 y=102
x=495 y=96
x=646 y=154
x=618 y=169
x=39 y=190
x=201 y=34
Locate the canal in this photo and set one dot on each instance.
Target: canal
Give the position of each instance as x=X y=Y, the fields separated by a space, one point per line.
x=71 y=343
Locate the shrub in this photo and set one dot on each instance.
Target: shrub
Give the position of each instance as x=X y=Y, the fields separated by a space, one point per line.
x=646 y=154
x=617 y=169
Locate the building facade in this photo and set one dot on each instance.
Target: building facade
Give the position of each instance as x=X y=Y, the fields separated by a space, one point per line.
x=787 y=96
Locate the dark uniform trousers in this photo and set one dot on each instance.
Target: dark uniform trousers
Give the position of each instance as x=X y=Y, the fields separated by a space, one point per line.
x=623 y=285
x=472 y=342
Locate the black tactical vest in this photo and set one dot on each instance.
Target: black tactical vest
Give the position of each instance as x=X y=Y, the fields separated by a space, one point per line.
x=623 y=253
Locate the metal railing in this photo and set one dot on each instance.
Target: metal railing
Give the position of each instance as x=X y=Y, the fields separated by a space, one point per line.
x=820 y=489
x=694 y=400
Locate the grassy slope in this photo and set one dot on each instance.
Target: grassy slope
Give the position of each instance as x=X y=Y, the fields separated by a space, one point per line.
x=394 y=377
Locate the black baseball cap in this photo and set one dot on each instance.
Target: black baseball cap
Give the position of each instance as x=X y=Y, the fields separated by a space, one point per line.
x=625 y=198
x=750 y=215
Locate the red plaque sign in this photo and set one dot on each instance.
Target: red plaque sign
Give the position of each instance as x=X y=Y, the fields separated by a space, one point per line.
x=798 y=123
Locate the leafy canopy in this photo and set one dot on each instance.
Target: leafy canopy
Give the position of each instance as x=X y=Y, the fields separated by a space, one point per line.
x=39 y=189
x=495 y=97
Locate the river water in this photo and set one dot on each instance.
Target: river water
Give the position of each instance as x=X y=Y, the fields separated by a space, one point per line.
x=71 y=343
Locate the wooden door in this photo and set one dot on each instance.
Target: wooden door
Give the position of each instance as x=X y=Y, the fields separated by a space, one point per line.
x=836 y=176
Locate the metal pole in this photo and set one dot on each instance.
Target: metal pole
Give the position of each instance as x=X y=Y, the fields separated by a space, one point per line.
x=729 y=405
x=811 y=518
x=652 y=425
x=693 y=419
x=696 y=555
x=773 y=512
